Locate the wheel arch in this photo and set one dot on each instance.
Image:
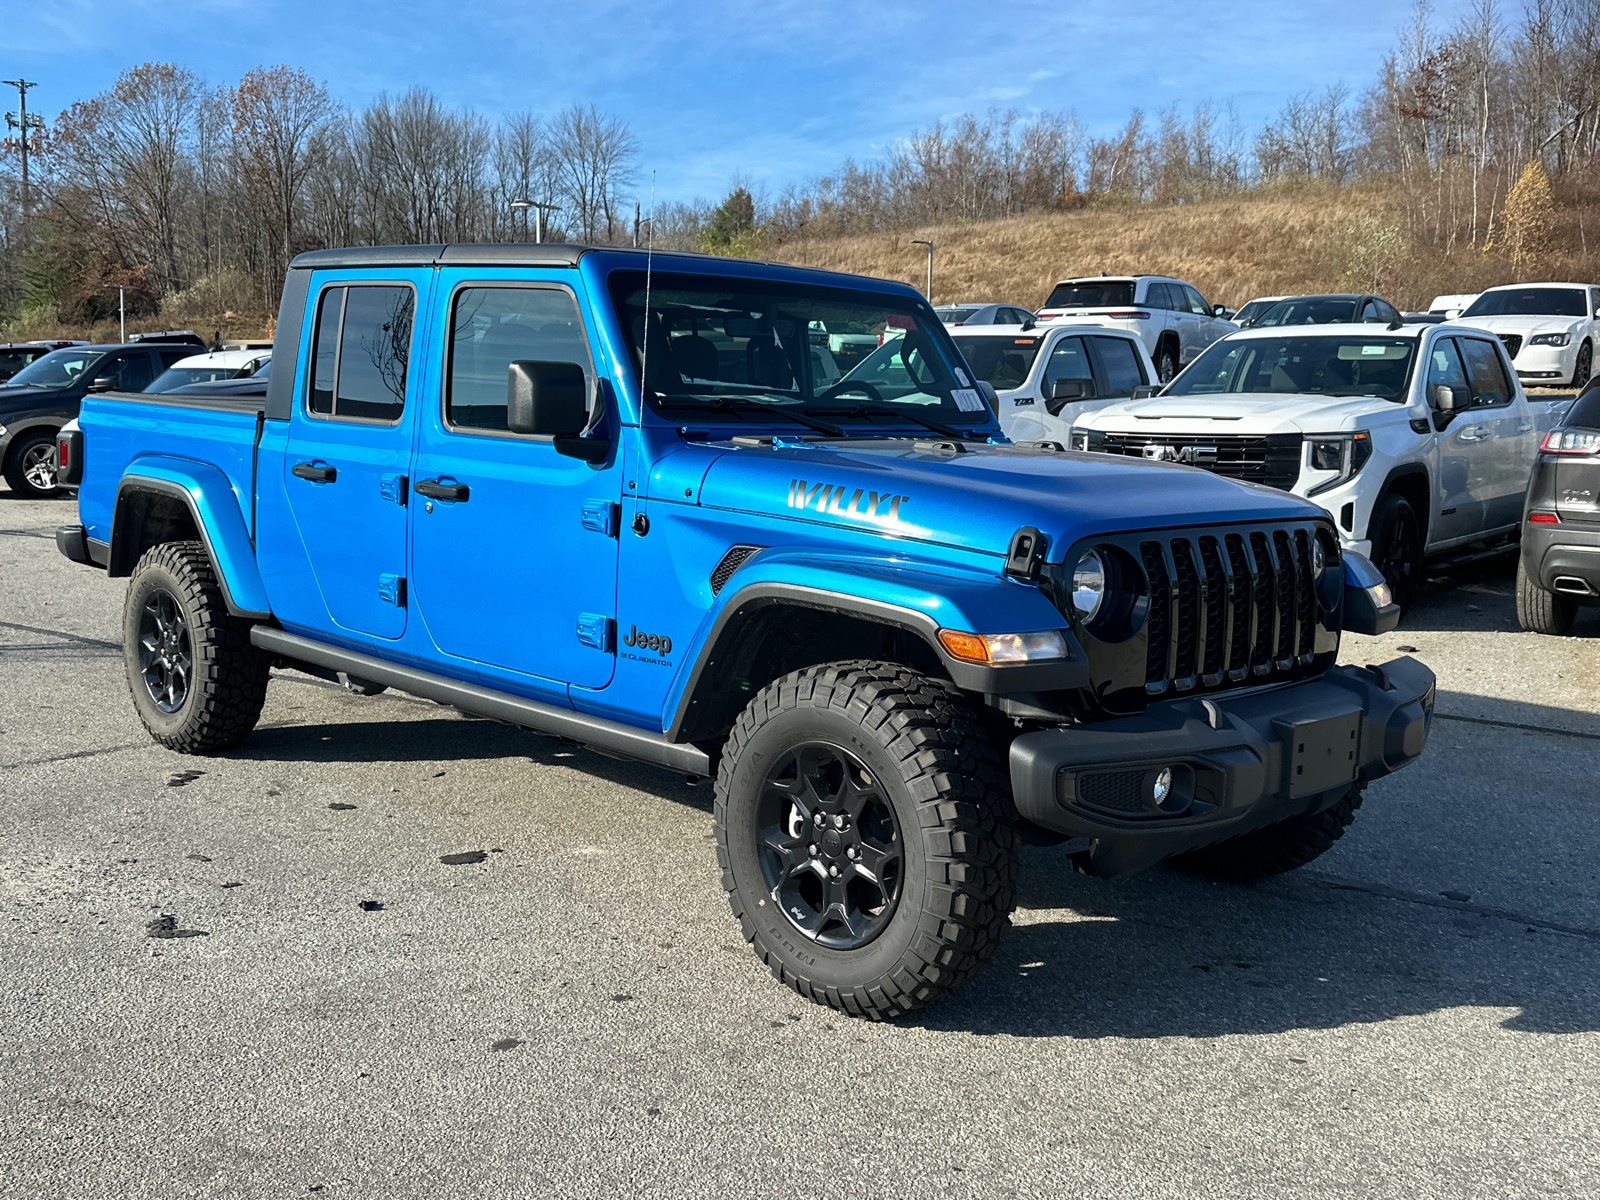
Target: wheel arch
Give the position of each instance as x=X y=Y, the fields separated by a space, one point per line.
x=1411 y=483
x=795 y=613
x=160 y=501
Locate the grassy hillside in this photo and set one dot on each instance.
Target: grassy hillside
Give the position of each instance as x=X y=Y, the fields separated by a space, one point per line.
x=1232 y=250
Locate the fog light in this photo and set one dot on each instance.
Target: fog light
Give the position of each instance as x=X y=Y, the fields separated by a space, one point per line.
x=1161 y=788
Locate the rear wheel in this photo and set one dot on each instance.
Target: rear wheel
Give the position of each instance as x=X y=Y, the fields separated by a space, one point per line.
x=1397 y=548
x=866 y=837
x=1585 y=366
x=1166 y=362
x=1277 y=848
x=31 y=465
x=197 y=682
x=1539 y=611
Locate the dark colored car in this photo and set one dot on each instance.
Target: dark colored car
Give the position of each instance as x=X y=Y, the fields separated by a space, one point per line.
x=42 y=397
x=1336 y=308
x=1559 y=568
x=173 y=337
x=16 y=355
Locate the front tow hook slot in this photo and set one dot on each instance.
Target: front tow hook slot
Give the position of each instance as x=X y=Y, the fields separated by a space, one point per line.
x=1025 y=556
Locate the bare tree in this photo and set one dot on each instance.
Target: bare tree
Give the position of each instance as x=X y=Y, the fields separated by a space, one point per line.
x=596 y=155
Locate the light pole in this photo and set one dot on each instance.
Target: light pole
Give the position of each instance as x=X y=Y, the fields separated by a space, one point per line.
x=929 y=245
x=122 y=315
x=21 y=122
x=540 y=209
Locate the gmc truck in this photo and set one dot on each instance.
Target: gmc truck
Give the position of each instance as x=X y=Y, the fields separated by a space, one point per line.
x=605 y=495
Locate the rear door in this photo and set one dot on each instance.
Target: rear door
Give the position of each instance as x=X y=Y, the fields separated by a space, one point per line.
x=350 y=445
x=518 y=573
x=1506 y=430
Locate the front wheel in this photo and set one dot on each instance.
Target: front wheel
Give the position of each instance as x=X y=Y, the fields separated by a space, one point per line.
x=866 y=838
x=31 y=466
x=1397 y=548
x=197 y=682
x=1584 y=367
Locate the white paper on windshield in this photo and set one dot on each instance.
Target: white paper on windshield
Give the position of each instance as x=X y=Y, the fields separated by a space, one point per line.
x=962 y=376
x=967 y=400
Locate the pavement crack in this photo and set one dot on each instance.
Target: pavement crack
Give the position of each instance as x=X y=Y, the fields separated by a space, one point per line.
x=1482 y=910
x=1593 y=737
x=55 y=758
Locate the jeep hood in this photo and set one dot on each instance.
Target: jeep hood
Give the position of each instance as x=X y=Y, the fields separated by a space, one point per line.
x=1236 y=413
x=976 y=500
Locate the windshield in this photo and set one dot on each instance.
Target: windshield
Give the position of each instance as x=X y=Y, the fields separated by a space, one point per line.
x=60 y=368
x=1529 y=302
x=954 y=316
x=1310 y=310
x=807 y=349
x=1091 y=293
x=1330 y=366
x=1251 y=311
x=1002 y=362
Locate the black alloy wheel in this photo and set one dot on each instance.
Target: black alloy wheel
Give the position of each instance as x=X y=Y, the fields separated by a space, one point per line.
x=1166 y=363
x=831 y=850
x=166 y=653
x=1397 y=549
x=1584 y=367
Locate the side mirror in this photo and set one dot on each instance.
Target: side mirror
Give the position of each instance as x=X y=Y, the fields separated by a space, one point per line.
x=1072 y=389
x=1143 y=392
x=103 y=383
x=546 y=398
x=1223 y=311
x=989 y=394
x=549 y=399
x=1444 y=397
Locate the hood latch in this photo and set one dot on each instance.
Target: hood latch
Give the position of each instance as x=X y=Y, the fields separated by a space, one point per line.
x=1025 y=557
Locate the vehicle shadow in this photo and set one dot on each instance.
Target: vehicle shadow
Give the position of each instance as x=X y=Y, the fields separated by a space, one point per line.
x=1479 y=597
x=445 y=739
x=1165 y=954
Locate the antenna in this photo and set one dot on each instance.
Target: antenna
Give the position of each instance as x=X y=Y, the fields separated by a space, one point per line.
x=649 y=252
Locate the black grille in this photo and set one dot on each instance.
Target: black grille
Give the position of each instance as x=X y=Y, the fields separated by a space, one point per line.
x=731 y=562
x=1159 y=621
x=1513 y=343
x=1115 y=791
x=1272 y=459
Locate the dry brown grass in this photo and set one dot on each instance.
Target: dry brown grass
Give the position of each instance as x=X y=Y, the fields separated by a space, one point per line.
x=1306 y=240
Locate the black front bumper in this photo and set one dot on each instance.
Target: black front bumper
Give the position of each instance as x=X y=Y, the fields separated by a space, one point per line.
x=1236 y=763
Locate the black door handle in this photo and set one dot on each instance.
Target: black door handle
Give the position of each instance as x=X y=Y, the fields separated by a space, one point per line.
x=434 y=490
x=315 y=473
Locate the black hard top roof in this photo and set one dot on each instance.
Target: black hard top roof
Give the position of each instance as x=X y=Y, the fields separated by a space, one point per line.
x=479 y=254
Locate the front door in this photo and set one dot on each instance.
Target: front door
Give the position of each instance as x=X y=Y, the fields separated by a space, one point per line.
x=1463 y=455
x=516 y=558
x=349 y=446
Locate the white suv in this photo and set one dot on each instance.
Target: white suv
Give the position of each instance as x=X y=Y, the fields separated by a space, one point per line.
x=1418 y=440
x=1170 y=316
x=1549 y=329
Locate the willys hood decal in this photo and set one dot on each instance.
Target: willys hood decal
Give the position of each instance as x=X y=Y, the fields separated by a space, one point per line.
x=977 y=499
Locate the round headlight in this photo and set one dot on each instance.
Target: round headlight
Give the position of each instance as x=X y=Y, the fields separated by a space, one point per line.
x=1319 y=558
x=1088 y=585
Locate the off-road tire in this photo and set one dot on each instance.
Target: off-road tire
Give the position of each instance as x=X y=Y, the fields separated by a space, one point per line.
x=1539 y=611
x=1166 y=363
x=1275 y=848
x=1394 y=517
x=952 y=800
x=1584 y=366
x=17 y=464
x=229 y=675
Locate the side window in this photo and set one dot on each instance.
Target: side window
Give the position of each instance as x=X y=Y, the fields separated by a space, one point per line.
x=132 y=371
x=1369 y=311
x=1196 y=302
x=1387 y=312
x=1488 y=375
x=361 y=352
x=1123 y=370
x=1444 y=366
x=1160 y=296
x=492 y=327
x=1069 y=360
x=1594 y=301
x=170 y=358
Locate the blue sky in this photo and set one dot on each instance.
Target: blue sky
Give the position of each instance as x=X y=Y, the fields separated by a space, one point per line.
x=777 y=91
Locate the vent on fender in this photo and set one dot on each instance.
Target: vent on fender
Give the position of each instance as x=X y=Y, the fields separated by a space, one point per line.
x=731 y=562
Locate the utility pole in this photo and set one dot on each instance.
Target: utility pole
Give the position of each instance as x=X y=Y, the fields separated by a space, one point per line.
x=122 y=315
x=922 y=242
x=21 y=122
x=636 y=223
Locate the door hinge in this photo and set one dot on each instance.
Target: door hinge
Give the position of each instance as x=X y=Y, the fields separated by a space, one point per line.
x=392 y=590
x=602 y=516
x=393 y=488
x=596 y=631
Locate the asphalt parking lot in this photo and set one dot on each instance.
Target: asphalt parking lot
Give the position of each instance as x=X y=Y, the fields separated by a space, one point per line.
x=570 y=1010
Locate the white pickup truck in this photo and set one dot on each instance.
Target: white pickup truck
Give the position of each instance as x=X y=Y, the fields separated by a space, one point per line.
x=1418 y=439
x=1169 y=316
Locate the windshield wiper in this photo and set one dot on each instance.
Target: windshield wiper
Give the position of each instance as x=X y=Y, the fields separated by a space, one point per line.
x=867 y=410
x=740 y=404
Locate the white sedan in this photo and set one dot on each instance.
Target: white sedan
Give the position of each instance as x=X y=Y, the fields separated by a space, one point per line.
x=1549 y=329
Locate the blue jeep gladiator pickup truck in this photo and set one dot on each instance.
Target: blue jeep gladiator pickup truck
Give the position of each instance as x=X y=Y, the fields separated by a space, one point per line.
x=640 y=502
